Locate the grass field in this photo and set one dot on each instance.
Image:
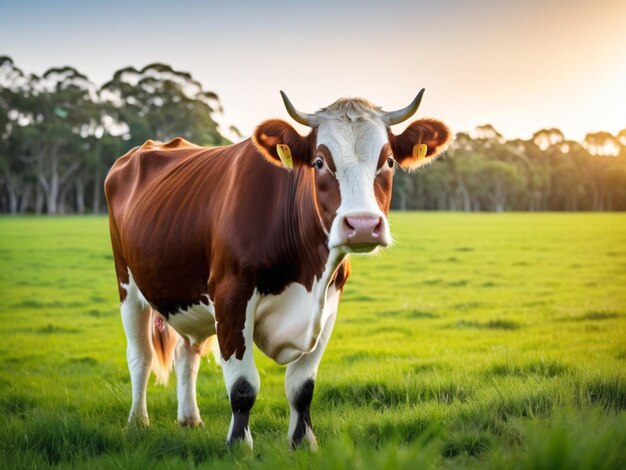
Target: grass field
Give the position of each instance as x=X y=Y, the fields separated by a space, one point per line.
x=479 y=340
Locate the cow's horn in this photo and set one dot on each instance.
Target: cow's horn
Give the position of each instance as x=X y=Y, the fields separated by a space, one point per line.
x=297 y=116
x=396 y=117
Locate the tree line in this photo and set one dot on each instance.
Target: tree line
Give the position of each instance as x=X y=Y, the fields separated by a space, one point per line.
x=545 y=173
x=60 y=133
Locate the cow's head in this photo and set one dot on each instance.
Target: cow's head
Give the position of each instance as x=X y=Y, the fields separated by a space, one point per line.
x=353 y=154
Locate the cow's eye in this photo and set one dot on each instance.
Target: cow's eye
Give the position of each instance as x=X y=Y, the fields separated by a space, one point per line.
x=318 y=163
x=390 y=162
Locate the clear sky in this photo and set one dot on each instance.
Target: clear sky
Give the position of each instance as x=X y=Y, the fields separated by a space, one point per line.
x=520 y=66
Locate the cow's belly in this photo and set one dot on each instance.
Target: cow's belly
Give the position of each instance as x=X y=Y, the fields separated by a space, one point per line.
x=289 y=324
x=197 y=323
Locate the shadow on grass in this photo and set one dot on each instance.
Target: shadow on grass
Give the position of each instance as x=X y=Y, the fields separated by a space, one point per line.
x=385 y=395
x=497 y=324
x=546 y=369
x=409 y=313
x=609 y=392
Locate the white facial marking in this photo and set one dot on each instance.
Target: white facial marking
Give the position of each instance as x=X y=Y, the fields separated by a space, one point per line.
x=355 y=142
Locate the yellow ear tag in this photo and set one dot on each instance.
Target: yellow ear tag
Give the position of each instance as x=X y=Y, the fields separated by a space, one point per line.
x=284 y=153
x=419 y=151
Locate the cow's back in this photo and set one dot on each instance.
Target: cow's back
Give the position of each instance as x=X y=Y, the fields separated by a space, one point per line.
x=182 y=215
x=155 y=193
x=133 y=174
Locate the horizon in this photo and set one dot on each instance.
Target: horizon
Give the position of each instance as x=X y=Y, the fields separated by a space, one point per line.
x=520 y=68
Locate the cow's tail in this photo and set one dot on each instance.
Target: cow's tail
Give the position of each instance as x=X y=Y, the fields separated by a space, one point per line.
x=164 y=340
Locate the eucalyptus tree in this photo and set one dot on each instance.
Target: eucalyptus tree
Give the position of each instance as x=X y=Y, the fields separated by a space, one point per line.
x=64 y=126
x=158 y=102
x=602 y=144
x=402 y=191
x=15 y=177
x=545 y=138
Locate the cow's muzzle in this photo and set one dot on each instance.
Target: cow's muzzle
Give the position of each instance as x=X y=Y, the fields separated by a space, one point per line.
x=362 y=232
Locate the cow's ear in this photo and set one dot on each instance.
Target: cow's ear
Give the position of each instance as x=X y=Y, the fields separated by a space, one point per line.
x=420 y=143
x=281 y=144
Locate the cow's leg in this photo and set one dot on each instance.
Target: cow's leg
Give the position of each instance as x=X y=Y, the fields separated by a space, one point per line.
x=187 y=364
x=234 y=309
x=300 y=381
x=136 y=318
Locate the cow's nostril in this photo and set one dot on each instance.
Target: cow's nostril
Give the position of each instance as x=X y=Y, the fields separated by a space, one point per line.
x=378 y=227
x=347 y=225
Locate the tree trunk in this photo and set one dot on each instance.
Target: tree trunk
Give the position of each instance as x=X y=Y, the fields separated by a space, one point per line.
x=39 y=200
x=52 y=195
x=80 y=195
x=64 y=205
x=25 y=199
x=13 y=200
x=12 y=192
x=467 y=203
x=50 y=187
x=402 y=195
x=97 y=191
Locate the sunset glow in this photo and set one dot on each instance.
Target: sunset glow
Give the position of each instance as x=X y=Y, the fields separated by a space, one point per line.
x=518 y=66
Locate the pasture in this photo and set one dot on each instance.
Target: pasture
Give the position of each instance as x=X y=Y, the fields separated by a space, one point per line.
x=479 y=340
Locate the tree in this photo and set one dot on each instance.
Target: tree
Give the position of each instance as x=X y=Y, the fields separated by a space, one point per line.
x=15 y=176
x=602 y=144
x=56 y=115
x=545 y=138
x=158 y=102
x=59 y=135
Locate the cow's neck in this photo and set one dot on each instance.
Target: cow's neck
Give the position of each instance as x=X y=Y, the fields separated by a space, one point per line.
x=306 y=237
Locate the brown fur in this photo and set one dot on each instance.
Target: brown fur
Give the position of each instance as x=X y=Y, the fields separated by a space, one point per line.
x=186 y=218
x=191 y=222
x=273 y=132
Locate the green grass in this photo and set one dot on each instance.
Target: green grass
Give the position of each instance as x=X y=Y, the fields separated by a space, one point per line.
x=479 y=340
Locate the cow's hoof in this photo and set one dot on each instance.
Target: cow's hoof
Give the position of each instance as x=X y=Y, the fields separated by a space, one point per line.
x=244 y=441
x=307 y=440
x=138 y=421
x=190 y=422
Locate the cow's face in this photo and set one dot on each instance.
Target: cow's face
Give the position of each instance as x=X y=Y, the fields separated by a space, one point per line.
x=353 y=156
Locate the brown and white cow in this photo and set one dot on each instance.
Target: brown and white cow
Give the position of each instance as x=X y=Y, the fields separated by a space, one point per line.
x=225 y=241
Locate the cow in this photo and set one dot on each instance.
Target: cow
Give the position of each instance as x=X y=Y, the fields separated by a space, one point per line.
x=250 y=243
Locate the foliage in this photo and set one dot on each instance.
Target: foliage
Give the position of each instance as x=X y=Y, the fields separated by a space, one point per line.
x=478 y=340
x=160 y=103
x=59 y=133
x=546 y=173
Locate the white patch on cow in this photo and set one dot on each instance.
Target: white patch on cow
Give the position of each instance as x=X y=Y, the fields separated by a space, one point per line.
x=354 y=136
x=248 y=438
x=247 y=435
x=132 y=289
x=289 y=324
x=137 y=321
x=311 y=438
x=233 y=369
x=305 y=368
x=196 y=323
x=187 y=363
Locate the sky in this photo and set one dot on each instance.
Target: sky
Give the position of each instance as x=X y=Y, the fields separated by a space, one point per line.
x=520 y=66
